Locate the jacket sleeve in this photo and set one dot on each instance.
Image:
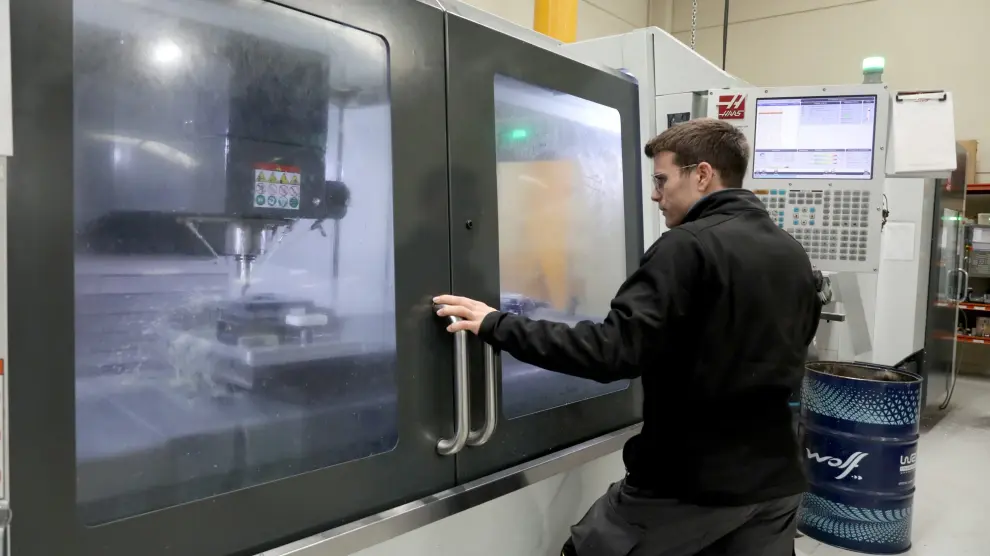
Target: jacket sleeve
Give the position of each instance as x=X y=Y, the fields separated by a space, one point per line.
x=655 y=298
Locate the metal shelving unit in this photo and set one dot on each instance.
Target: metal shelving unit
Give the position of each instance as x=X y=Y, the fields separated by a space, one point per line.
x=974 y=359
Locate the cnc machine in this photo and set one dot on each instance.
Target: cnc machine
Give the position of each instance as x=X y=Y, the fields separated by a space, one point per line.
x=220 y=348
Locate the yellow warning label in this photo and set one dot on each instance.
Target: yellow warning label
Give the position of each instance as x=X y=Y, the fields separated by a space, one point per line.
x=295 y=179
x=284 y=180
x=271 y=178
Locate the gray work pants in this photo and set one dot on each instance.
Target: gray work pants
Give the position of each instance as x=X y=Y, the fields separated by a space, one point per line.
x=626 y=523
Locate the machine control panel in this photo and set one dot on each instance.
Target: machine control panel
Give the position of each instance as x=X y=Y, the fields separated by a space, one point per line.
x=817 y=163
x=832 y=225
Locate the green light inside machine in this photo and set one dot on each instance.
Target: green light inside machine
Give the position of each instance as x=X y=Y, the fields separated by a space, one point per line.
x=873 y=63
x=518 y=133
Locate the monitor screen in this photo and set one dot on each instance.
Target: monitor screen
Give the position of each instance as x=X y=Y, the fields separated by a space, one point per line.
x=815 y=138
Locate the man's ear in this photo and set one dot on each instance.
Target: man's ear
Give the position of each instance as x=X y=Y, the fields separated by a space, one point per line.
x=706 y=174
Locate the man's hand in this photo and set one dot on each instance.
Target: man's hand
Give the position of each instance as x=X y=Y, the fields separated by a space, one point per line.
x=470 y=311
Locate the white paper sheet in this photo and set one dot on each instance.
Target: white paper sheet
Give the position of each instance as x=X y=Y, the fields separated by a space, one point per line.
x=898 y=242
x=922 y=134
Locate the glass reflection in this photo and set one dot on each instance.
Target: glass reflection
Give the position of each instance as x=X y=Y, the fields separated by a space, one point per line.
x=561 y=225
x=234 y=281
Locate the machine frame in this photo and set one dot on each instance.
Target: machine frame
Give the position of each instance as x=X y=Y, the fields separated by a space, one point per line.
x=432 y=255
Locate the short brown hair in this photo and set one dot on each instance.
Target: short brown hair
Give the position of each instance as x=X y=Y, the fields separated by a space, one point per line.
x=706 y=140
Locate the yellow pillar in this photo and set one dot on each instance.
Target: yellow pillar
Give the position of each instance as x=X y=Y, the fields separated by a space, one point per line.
x=556 y=18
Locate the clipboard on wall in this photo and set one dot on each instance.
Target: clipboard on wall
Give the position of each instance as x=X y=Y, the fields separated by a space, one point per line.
x=922 y=138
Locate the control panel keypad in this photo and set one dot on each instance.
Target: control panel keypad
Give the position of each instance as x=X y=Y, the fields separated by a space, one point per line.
x=832 y=244
x=775 y=201
x=831 y=225
x=806 y=208
x=847 y=209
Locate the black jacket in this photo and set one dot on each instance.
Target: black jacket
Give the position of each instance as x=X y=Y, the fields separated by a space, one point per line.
x=716 y=321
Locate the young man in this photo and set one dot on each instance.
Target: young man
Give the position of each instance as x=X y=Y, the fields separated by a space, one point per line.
x=716 y=321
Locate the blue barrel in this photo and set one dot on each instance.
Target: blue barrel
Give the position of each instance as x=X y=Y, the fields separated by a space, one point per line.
x=859 y=444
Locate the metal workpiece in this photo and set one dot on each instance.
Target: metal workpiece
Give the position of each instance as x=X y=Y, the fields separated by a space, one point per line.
x=483 y=434
x=462 y=394
x=378 y=528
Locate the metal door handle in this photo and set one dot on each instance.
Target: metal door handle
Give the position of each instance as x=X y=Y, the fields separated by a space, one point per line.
x=965 y=286
x=949 y=283
x=960 y=295
x=482 y=435
x=462 y=391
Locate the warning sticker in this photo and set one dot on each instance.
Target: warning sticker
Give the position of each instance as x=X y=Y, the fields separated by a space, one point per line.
x=276 y=186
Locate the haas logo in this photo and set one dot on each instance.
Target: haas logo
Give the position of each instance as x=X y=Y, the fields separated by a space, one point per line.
x=731 y=107
x=845 y=467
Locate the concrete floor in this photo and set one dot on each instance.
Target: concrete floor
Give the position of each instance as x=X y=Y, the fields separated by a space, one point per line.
x=951 y=517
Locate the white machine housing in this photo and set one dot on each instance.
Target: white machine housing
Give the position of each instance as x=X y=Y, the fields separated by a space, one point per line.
x=673 y=83
x=886 y=311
